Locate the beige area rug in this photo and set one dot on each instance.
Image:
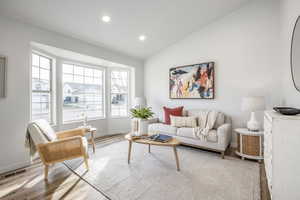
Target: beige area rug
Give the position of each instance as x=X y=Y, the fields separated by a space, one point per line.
x=153 y=176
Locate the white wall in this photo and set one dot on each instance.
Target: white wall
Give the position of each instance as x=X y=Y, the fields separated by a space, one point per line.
x=243 y=45
x=290 y=10
x=15 y=41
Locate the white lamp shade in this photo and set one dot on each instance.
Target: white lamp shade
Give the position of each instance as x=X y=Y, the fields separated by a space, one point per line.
x=253 y=104
x=140 y=101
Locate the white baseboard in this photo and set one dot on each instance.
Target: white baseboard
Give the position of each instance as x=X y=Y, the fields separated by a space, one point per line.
x=13 y=167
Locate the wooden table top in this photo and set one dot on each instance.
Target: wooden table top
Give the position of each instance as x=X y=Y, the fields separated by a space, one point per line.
x=88 y=129
x=172 y=142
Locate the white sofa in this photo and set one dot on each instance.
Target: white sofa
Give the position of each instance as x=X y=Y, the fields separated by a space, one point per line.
x=218 y=139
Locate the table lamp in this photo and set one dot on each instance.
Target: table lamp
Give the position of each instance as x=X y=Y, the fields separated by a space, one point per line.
x=253 y=104
x=139 y=102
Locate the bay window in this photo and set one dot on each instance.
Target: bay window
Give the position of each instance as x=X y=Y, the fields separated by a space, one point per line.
x=83 y=92
x=80 y=92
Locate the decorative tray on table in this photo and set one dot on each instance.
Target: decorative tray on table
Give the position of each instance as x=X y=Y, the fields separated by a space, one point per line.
x=287 y=110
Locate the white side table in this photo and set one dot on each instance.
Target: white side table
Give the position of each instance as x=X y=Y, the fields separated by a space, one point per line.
x=92 y=131
x=249 y=144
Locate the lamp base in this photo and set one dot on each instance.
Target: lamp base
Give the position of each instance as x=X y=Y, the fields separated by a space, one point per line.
x=253 y=124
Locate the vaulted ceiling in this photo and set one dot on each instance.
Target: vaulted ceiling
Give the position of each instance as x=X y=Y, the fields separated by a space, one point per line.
x=163 y=21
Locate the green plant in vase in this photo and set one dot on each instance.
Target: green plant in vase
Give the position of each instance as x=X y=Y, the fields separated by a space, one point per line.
x=140 y=123
x=142 y=113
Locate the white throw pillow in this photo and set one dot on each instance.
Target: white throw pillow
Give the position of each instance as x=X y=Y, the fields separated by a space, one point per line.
x=183 y=121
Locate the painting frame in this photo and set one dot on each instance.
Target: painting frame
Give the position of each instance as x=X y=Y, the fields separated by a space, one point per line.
x=209 y=93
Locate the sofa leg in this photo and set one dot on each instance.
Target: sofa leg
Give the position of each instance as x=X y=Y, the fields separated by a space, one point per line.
x=223 y=154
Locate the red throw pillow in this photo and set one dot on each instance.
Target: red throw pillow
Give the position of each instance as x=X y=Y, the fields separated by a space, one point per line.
x=172 y=111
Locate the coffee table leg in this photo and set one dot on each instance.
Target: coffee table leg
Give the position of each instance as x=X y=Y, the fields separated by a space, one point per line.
x=176 y=157
x=129 y=151
x=149 y=150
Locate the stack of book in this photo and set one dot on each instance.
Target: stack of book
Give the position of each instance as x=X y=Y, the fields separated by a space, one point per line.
x=160 y=138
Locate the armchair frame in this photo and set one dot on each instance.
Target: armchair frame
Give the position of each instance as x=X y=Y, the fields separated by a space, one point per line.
x=68 y=146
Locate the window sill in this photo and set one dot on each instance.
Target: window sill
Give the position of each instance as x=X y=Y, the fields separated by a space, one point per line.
x=120 y=117
x=81 y=121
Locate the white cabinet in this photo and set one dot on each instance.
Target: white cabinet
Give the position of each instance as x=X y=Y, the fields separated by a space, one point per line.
x=268 y=149
x=282 y=155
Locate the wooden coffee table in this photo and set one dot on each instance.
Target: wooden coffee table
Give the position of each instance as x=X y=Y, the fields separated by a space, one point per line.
x=172 y=143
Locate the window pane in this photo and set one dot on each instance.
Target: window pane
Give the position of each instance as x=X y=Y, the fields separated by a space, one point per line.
x=44 y=74
x=42 y=85
x=35 y=72
x=67 y=78
x=119 y=93
x=82 y=95
x=35 y=60
x=97 y=81
x=44 y=62
x=89 y=80
x=41 y=88
x=78 y=79
x=118 y=87
x=88 y=72
x=41 y=106
x=97 y=73
x=98 y=98
x=67 y=68
x=94 y=113
x=78 y=70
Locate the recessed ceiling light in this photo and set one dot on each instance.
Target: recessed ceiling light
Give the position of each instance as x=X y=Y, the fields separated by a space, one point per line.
x=142 y=37
x=106 y=18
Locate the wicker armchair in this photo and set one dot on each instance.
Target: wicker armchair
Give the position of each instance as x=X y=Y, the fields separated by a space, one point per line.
x=60 y=146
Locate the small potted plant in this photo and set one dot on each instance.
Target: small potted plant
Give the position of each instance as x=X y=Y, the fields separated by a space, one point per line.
x=140 y=120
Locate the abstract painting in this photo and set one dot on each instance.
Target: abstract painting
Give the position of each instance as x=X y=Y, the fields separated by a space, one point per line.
x=192 y=81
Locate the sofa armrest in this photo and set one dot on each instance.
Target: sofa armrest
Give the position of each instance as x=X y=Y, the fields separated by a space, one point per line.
x=224 y=135
x=153 y=120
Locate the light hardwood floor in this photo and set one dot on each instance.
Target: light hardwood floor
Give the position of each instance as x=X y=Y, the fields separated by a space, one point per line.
x=63 y=184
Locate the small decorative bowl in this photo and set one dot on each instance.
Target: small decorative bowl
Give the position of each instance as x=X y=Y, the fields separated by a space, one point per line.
x=287 y=110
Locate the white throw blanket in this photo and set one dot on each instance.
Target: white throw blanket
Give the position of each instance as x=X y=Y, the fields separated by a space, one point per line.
x=206 y=122
x=44 y=128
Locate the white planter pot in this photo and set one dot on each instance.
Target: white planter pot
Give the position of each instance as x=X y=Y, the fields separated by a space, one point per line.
x=143 y=127
x=139 y=127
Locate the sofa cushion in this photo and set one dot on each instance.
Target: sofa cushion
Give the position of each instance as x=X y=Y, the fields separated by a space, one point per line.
x=183 y=121
x=189 y=133
x=185 y=132
x=162 y=128
x=171 y=111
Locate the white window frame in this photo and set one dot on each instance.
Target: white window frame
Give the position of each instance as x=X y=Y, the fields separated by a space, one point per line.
x=52 y=77
x=85 y=65
x=110 y=94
